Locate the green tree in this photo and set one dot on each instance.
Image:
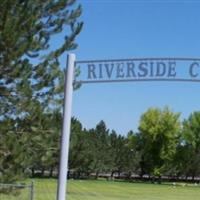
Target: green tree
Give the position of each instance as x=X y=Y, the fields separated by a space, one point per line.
x=29 y=59
x=159 y=131
x=31 y=80
x=80 y=155
x=12 y=152
x=191 y=143
x=39 y=136
x=135 y=149
x=101 y=149
x=122 y=154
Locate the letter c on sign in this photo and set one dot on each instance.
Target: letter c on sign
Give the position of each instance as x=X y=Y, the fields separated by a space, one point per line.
x=192 y=66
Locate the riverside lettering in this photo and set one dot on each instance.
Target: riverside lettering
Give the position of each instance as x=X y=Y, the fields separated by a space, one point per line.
x=122 y=70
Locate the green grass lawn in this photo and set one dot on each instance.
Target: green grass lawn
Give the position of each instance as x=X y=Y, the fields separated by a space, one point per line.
x=45 y=189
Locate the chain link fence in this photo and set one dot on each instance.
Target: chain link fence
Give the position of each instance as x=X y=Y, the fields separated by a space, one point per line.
x=16 y=191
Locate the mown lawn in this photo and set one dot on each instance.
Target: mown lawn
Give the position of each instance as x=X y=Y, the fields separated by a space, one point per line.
x=45 y=189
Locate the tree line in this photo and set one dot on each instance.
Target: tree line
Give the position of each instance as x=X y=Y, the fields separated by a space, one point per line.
x=163 y=146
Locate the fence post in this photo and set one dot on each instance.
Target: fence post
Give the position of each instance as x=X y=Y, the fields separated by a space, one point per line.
x=31 y=191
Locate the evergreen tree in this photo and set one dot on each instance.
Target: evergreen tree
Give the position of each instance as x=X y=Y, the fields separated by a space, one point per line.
x=31 y=80
x=12 y=152
x=80 y=149
x=102 y=149
x=29 y=64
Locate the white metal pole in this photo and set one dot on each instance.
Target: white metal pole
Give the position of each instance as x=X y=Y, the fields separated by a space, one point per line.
x=63 y=168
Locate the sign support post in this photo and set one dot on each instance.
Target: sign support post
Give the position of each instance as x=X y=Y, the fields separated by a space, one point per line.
x=66 y=128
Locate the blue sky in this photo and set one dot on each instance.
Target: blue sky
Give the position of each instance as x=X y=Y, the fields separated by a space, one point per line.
x=133 y=29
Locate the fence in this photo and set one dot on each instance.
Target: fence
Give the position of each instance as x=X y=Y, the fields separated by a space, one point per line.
x=16 y=191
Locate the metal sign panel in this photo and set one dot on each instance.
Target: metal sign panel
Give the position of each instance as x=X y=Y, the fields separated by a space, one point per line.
x=138 y=69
